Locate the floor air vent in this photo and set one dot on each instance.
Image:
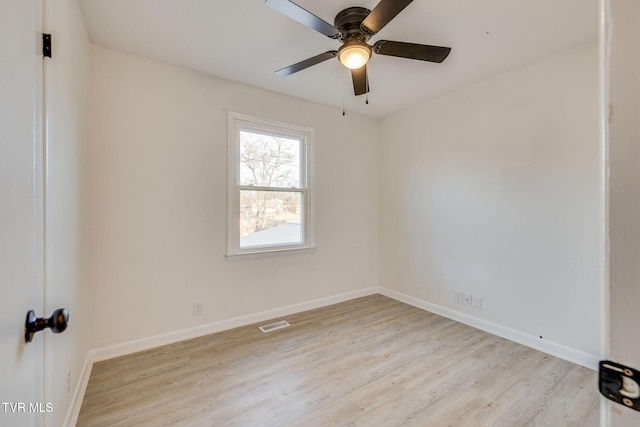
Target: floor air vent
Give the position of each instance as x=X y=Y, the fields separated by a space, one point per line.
x=273 y=326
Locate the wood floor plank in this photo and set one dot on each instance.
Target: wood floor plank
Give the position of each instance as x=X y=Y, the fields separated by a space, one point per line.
x=372 y=361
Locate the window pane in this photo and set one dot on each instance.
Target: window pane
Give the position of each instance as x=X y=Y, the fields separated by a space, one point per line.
x=270 y=218
x=269 y=161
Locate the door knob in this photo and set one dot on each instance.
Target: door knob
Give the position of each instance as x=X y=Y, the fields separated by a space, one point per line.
x=57 y=323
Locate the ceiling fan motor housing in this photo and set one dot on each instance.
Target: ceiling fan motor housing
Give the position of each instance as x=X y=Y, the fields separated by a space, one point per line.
x=349 y=23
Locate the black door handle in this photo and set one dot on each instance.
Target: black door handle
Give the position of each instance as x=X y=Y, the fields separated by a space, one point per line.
x=57 y=322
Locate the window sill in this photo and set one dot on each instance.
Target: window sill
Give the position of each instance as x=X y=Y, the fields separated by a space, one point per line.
x=269 y=252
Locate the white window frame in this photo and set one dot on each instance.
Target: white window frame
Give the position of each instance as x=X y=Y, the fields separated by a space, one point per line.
x=236 y=123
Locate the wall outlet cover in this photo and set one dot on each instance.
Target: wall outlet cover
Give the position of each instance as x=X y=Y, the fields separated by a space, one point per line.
x=458 y=297
x=466 y=299
x=197 y=309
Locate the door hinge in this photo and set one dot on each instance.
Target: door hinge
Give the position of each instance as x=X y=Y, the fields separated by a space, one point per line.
x=620 y=383
x=46 y=45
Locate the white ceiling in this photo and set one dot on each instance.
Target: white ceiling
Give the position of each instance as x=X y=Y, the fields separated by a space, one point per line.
x=246 y=41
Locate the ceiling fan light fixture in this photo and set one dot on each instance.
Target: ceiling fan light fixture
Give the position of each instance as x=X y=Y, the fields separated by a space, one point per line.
x=354 y=54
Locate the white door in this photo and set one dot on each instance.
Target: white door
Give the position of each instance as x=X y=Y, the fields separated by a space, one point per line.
x=622 y=76
x=21 y=210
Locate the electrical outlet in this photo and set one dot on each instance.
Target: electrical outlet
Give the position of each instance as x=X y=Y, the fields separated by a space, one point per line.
x=466 y=299
x=197 y=309
x=476 y=302
x=458 y=297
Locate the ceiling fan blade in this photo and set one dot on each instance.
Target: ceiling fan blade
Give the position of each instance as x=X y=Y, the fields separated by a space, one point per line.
x=303 y=16
x=360 y=80
x=380 y=16
x=422 y=52
x=307 y=63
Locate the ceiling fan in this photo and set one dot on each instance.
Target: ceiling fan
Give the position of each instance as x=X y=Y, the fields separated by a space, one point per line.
x=353 y=27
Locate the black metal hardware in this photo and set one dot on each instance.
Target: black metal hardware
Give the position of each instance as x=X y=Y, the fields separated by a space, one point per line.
x=46 y=45
x=58 y=322
x=620 y=384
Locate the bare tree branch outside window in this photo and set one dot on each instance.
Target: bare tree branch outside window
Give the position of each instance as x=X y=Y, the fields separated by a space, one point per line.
x=272 y=164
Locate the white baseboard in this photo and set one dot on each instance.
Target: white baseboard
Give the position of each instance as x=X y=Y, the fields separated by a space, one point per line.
x=558 y=350
x=142 y=344
x=78 y=394
x=99 y=354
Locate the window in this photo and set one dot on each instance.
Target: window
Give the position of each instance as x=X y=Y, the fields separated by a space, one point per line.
x=270 y=194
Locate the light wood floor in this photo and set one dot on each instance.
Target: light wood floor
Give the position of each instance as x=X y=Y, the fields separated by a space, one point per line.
x=371 y=361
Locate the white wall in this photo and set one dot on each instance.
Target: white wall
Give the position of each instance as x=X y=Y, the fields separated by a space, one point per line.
x=494 y=190
x=67 y=84
x=623 y=76
x=158 y=201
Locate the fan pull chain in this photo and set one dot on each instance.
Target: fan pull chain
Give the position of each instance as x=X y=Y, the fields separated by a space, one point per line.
x=343 y=89
x=366 y=82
